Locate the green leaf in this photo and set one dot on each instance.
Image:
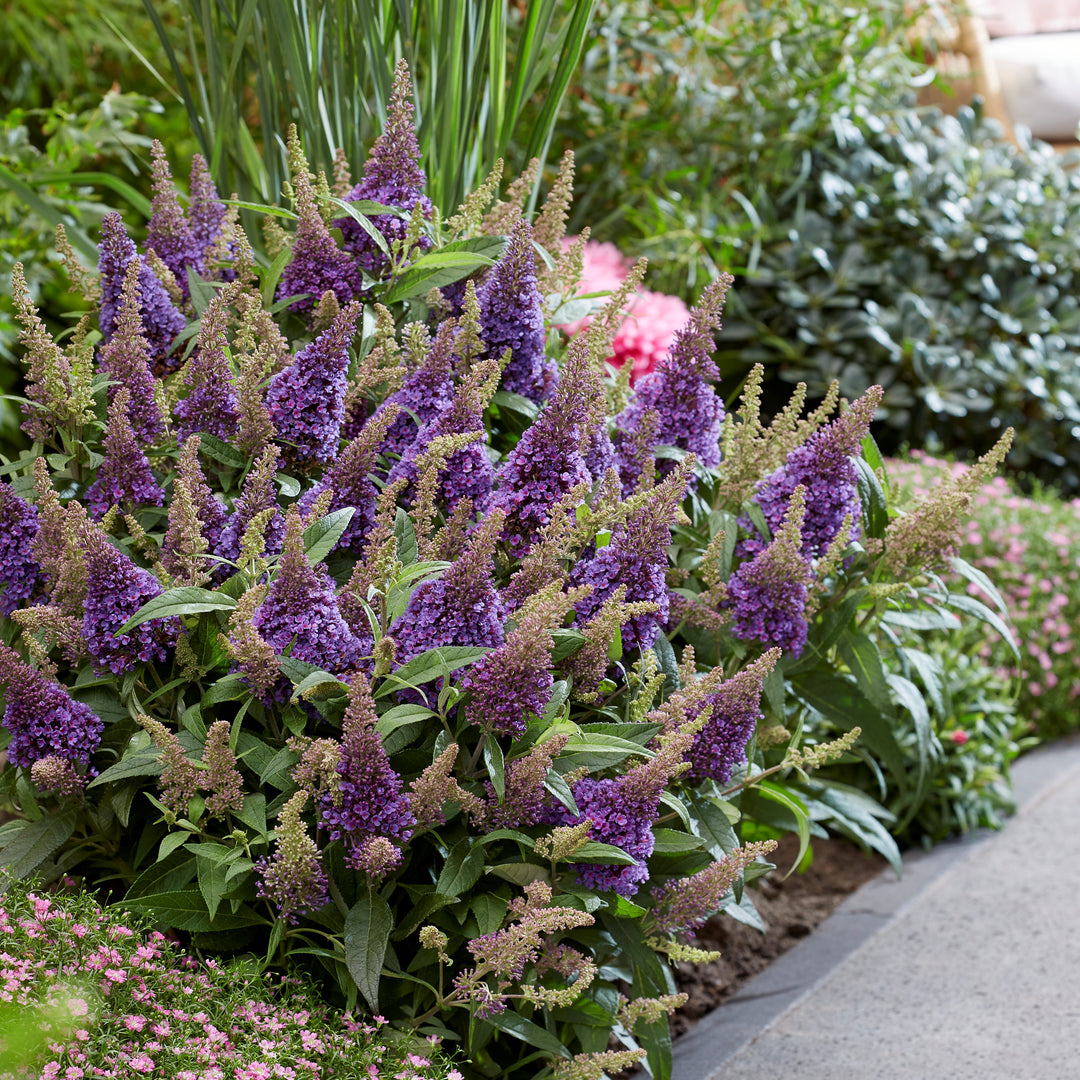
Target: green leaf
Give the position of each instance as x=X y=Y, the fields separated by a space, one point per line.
x=599 y=751
x=518 y=403
x=615 y=650
x=991 y=618
x=519 y=873
x=496 y=766
x=146 y=761
x=862 y=657
x=557 y=786
x=931 y=674
x=36 y=841
x=186 y=600
x=672 y=841
x=210 y=861
x=168 y=874
x=186 y=910
x=433 y=271
x=907 y=693
x=405 y=531
x=843 y=704
x=430 y=665
x=592 y=851
x=462 y=869
x=321 y=537
x=489 y=911
x=253 y=812
x=213 y=447
x=977 y=577
x=170 y=842
x=367 y=934
x=767 y=789
x=874 y=505
x=669 y=664
x=317 y=678
x=515 y=1024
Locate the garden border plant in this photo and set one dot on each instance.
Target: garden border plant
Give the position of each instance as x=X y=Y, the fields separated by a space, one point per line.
x=366 y=625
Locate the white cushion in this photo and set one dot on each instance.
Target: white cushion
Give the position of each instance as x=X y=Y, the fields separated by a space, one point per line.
x=1040 y=81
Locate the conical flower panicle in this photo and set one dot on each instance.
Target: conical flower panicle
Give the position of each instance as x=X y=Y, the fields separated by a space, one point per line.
x=127 y=360
x=514 y=681
x=370 y=802
x=428 y=391
x=768 y=595
x=124 y=477
x=42 y=717
x=736 y=710
x=20 y=575
x=348 y=479
x=306 y=401
x=636 y=557
x=690 y=413
x=623 y=811
x=317 y=263
x=547 y=461
x=167 y=232
x=211 y=405
x=116 y=589
x=301 y=609
x=468 y=472
x=293 y=878
x=512 y=317
x=49 y=378
x=161 y=320
x=459 y=608
x=196 y=519
x=392 y=176
x=206 y=212
x=257 y=494
x=823 y=466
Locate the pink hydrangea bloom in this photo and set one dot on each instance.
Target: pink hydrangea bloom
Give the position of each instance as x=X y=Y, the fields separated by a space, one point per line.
x=653 y=318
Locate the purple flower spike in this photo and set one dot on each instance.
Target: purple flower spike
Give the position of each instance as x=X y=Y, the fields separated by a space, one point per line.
x=512 y=317
x=469 y=472
x=636 y=557
x=306 y=401
x=547 y=461
x=301 y=609
x=167 y=232
x=822 y=466
x=258 y=494
x=116 y=589
x=459 y=608
x=212 y=405
x=161 y=320
x=206 y=212
x=124 y=477
x=370 y=801
x=768 y=595
x=690 y=413
x=317 y=264
x=736 y=709
x=20 y=575
x=126 y=358
x=427 y=392
x=43 y=719
x=393 y=177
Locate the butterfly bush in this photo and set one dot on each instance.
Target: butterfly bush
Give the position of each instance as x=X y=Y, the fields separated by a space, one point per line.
x=402 y=644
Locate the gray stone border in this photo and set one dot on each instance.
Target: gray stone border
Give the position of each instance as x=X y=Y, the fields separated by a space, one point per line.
x=702 y=1052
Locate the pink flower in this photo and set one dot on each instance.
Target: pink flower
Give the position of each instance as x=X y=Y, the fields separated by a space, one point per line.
x=142 y=1063
x=134 y=1023
x=959 y=737
x=77 y=1006
x=652 y=318
x=115 y=975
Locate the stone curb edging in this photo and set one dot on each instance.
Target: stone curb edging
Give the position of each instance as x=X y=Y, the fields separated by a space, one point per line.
x=702 y=1052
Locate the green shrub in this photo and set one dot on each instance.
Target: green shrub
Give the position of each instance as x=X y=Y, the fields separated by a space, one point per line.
x=417 y=640
x=877 y=243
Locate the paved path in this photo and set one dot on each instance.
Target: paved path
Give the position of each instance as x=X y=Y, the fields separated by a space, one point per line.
x=968 y=969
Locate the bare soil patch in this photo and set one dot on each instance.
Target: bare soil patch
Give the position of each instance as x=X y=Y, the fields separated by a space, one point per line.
x=791 y=909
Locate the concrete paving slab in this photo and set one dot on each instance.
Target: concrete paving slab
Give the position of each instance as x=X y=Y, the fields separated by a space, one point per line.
x=968 y=967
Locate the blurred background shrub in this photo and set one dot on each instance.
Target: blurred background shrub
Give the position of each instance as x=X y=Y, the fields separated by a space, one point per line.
x=874 y=241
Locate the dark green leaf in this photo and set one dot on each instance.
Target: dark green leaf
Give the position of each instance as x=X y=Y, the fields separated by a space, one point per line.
x=430 y=665
x=36 y=841
x=462 y=869
x=186 y=600
x=515 y=1024
x=367 y=934
x=321 y=537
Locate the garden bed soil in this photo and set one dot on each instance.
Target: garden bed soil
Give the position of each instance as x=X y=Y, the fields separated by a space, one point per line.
x=791 y=909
